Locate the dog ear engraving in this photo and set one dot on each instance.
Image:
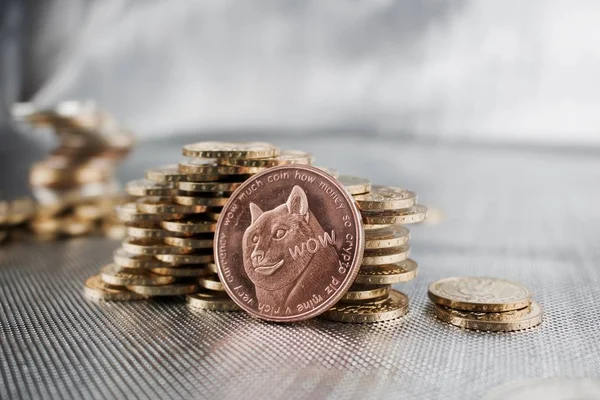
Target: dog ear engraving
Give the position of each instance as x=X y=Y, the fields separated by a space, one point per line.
x=297 y=203
x=255 y=212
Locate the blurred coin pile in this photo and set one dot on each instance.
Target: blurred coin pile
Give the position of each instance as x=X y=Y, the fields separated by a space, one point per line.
x=385 y=260
x=13 y=214
x=168 y=250
x=75 y=185
x=484 y=304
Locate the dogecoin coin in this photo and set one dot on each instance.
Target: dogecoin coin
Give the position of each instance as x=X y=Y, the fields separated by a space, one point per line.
x=386 y=237
x=388 y=274
x=230 y=150
x=360 y=293
x=355 y=185
x=417 y=213
x=116 y=275
x=96 y=289
x=382 y=198
x=385 y=256
x=394 y=307
x=214 y=301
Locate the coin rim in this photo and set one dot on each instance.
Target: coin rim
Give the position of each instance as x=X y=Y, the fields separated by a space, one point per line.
x=534 y=318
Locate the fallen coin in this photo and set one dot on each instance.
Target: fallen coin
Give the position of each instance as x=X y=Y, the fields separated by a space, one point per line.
x=96 y=289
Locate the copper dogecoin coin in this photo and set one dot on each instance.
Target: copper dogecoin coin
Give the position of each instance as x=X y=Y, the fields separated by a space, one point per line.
x=211 y=282
x=355 y=185
x=417 y=213
x=395 y=306
x=382 y=198
x=145 y=187
x=175 y=289
x=360 y=293
x=480 y=322
x=230 y=150
x=387 y=274
x=289 y=243
x=214 y=301
x=116 y=275
x=96 y=289
x=480 y=294
x=391 y=236
x=385 y=256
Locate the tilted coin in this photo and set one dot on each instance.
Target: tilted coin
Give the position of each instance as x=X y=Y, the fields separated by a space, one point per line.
x=151 y=247
x=116 y=275
x=126 y=260
x=360 y=292
x=186 y=259
x=481 y=294
x=211 y=282
x=381 y=198
x=355 y=185
x=171 y=173
x=175 y=289
x=214 y=301
x=208 y=187
x=205 y=241
x=190 y=226
x=200 y=201
x=185 y=272
x=417 y=213
x=470 y=320
x=145 y=187
x=150 y=232
x=128 y=212
x=230 y=150
x=385 y=237
x=160 y=205
x=297 y=233
x=385 y=256
x=388 y=274
x=394 y=307
x=96 y=289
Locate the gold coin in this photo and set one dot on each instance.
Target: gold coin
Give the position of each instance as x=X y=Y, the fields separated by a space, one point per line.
x=214 y=301
x=171 y=173
x=359 y=293
x=96 y=289
x=331 y=171
x=394 y=307
x=418 y=213
x=210 y=167
x=114 y=230
x=205 y=241
x=480 y=294
x=45 y=226
x=189 y=226
x=91 y=212
x=230 y=150
x=212 y=267
x=126 y=260
x=208 y=187
x=114 y=274
x=211 y=282
x=385 y=256
x=200 y=201
x=161 y=205
x=475 y=321
x=382 y=238
x=145 y=187
x=151 y=247
x=176 y=289
x=355 y=185
x=128 y=212
x=189 y=272
x=73 y=226
x=388 y=274
x=382 y=198
x=371 y=227
x=17 y=211
x=152 y=232
x=186 y=259
x=286 y=157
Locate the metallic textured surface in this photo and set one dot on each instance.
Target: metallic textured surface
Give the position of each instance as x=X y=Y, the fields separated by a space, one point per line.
x=526 y=215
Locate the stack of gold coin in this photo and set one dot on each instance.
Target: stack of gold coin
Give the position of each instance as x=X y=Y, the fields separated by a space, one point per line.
x=385 y=260
x=14 y=214
x=75 y=185
x=485 y=304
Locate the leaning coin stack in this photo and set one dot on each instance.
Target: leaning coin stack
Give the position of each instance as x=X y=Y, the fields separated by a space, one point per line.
x=75 y=185
x=14 y=214
x=385 y=262
x=484 y=304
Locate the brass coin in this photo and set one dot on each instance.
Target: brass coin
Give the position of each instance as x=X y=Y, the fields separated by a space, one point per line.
x=355 y=185
x=385 y=256
x=476 y=321
x=96 y=289
x=208 y=187
x=186 y=259
x=212 y=267
x=161 y=205
x=382 y=198
x=480 y=294
x=114 y=274
x=189 y=226
x=205 y=241
x=294 y=157
x=128 y=212
x=286 y=157
x=151 y=247
x=186 y=272
x=210 y=167
x=331 y=171
x=176 y=289
x=359 y=292
x=371 y=227
x=145 y=187
x=90 y=212
x=388 y=274
x=200 y=201
x=418 y=213
x=73 y=226
x=17 y=211
x=214 y=301
x=386 y=237
x=126 y=260
x=152 y=232
x=394 y=307
x=171 y=173
x=211 y=282
x=230 y=150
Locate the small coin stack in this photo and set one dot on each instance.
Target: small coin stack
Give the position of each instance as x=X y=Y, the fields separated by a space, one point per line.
x=168 y=250
x=13 y=214
x=75 y=185
x=484 y=304
x=385 y=260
